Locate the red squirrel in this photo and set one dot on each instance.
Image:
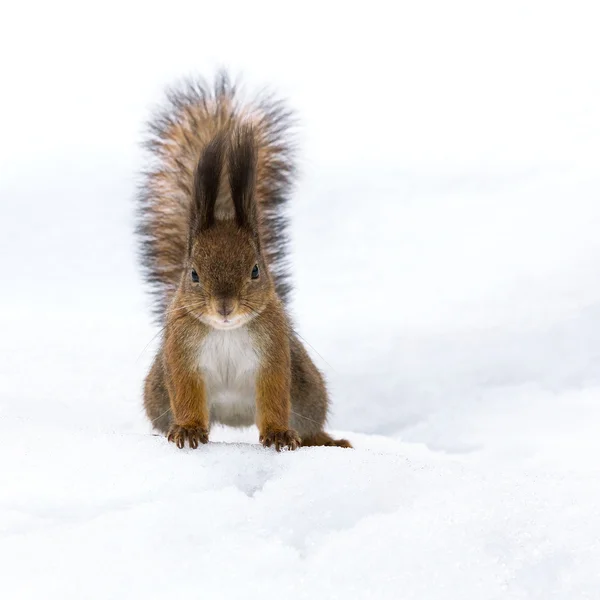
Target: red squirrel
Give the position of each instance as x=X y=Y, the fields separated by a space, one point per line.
x=213 y=246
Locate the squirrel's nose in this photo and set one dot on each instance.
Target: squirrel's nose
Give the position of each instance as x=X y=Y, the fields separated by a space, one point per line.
x=225 y=308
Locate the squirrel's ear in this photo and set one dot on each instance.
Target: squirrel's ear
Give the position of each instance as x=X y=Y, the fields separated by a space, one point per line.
x=206 y=184
x=242 y=177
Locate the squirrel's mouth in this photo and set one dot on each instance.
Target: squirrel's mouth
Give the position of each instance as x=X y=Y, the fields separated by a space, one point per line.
x=229 y=322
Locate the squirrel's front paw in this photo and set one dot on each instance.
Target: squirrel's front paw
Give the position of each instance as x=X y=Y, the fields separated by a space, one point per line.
x=194 y=436
x=280 y=439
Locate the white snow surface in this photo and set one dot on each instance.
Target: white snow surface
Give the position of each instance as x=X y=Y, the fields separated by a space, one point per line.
x=446 y=259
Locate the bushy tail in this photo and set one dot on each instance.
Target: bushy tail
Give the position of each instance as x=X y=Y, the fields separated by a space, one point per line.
x=194 y=114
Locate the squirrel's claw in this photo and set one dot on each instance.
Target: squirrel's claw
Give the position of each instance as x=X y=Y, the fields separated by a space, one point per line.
x=178 y=434
x=280 y=439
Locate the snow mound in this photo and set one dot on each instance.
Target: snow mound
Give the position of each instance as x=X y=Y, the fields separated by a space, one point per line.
x=117 y=515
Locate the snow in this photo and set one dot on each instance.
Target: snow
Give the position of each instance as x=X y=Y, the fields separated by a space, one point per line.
x=446 y=259
x=138 y=519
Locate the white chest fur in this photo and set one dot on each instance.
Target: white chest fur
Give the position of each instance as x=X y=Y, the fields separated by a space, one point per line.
x=229 y=362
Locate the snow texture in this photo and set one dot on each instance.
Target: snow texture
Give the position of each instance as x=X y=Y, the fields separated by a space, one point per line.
x=446 y=258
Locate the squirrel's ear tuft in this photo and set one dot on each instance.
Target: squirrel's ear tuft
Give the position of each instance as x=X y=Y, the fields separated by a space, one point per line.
x=207 y=182
x=242 y=176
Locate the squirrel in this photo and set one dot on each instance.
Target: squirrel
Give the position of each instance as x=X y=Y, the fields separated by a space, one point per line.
x=212 y=232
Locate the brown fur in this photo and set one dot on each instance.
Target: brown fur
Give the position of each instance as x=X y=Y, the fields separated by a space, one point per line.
x=214 y=248
x=194 y=114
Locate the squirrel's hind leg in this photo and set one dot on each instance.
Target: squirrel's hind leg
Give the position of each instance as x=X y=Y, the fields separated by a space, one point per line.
x=324 y=439
x=156 y=397
x=310 y=401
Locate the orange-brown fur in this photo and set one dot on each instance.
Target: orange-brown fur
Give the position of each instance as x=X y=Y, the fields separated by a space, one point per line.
x=214 y=248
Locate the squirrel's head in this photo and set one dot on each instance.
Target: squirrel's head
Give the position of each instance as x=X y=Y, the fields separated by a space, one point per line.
x=226 y=282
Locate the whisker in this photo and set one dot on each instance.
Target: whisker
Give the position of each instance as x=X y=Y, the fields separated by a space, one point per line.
x=159 y=416
x=304 y=417
x=314 y=349
x=161 y=330
x=184 y=307
x=301 y=337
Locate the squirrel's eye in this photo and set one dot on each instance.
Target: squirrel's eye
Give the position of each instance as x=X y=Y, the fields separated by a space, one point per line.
x=195 y=277
x=255 y=272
